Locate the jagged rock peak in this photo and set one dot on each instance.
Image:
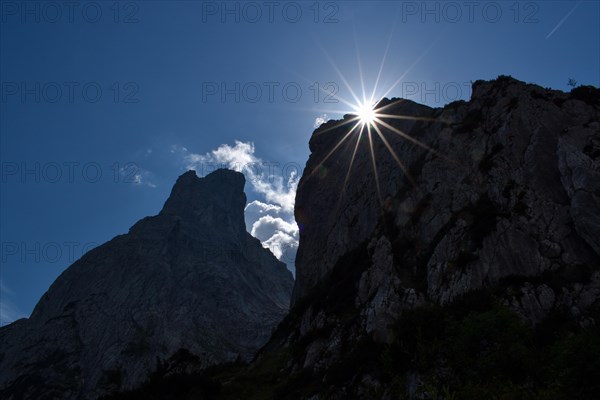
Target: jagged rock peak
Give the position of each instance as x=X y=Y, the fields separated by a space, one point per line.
x=190 y=193
x=189 y=278
x=215 y=201
x=485 y=248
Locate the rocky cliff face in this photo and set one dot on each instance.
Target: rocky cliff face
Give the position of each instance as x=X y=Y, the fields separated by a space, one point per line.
x=511 y=188
x=501 y=198
x=512 y=182
x=465 y=266
x=190 y=277
x=453 y=253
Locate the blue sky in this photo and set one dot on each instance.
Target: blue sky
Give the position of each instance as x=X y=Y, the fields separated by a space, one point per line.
x=103 y=104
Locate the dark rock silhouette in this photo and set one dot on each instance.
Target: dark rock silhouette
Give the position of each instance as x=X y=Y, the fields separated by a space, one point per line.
x=477 y=277
x=504 y=211
x=470 y=271
x=512 y=188
x=190 y=277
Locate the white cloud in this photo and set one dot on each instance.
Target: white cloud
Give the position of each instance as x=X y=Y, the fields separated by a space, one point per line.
x=320 y=120
x=278 y=235
x=261 y=207
x=283 y=246
x=265 y=226
x=270 y=220
x=256 y=209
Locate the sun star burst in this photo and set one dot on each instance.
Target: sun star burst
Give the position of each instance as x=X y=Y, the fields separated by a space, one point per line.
x=373 y=121
x=366 y=113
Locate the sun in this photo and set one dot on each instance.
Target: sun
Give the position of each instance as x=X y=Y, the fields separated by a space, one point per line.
x=371 y=120
x=366 y=113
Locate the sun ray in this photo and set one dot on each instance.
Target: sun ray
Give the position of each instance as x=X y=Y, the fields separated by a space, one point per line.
x=335 y=96
x=421 y=56
x=344 y=122
x=360 y=71
x=370 y=117
x=405 y=117
x=320 y=110
x=415 y=141
x=390 y=104
x=338 y=144
x=375 y=121
x=387 y=48
x=394 y=155
x=380 y=113
x=409 y=117
x=328 y=93
x=405 y=136
x=337 y=70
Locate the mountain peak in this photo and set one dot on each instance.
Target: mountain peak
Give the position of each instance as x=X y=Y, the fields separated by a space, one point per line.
x=189 y=277
x=215 y=201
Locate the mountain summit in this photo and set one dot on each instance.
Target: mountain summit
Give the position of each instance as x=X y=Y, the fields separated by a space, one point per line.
x=216 y=201
x=471 y=273
x=190 y=277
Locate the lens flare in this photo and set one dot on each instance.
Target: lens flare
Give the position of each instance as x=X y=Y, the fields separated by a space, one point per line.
x=366 y=113
x=372 y=120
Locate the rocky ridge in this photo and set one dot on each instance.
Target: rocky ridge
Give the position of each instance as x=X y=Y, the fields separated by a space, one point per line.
x=466 y=267
x=498 y=203
x=188 y=278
